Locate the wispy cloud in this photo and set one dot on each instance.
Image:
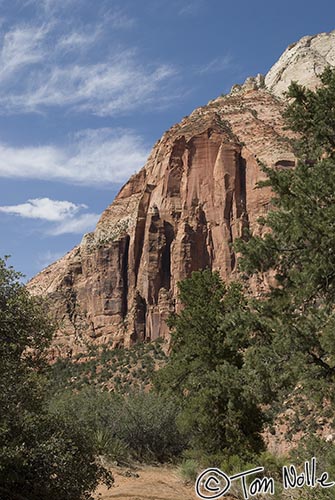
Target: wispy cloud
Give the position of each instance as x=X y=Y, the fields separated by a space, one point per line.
x=103 y=89
x=55 y=69
x=216 y=65
x=78 y=40
x=113 y=15
x=44 y=208
x=52 y=6
x=97 y=157
x=190 y=8
x=119 y=19
x=21 y=47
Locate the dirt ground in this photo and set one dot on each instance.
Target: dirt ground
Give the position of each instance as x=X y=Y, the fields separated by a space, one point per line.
x=152 y=483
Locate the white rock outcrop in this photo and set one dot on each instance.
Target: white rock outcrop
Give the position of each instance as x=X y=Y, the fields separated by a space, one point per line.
x=302 y=62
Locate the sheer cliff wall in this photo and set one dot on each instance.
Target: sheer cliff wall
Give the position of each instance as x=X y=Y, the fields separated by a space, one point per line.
x=181 y=212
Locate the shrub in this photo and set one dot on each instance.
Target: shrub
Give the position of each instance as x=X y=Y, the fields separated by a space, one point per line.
x=147 y=423
x=42 y=455
x=140 y=425
x=189 y=470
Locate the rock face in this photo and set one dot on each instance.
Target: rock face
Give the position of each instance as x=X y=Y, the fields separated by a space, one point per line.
x=302 y=62
x=180 y=213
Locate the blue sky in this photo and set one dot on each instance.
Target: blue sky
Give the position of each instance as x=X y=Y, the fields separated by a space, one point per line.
x=88 y=86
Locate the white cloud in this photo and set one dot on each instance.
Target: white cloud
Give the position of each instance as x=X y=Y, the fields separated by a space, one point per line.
x=43 y=208
x=64 y=213
x=21 y=47
x=97 y=156
x=78 y=225
x=107 y=88
x=216 y=65
x=57 y=69
x=77 y=40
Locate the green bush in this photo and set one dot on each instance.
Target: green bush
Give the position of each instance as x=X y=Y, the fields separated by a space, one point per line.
x=43 y=456
x=52 y=459
x=324 y=452
x=147 y=423
x=189 y=470
x=140 y=425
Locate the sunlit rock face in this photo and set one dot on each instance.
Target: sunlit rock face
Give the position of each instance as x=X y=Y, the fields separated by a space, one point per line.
x=182 y=212
x=302 y=62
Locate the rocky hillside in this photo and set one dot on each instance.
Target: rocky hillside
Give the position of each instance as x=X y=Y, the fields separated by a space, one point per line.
x=181 y=212
x=303 y=62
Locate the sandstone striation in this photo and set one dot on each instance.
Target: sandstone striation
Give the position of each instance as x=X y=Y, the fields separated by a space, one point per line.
x=181 y=212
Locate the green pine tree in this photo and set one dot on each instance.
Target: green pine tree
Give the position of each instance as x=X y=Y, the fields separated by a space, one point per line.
x=206 y=369
x=300 y=248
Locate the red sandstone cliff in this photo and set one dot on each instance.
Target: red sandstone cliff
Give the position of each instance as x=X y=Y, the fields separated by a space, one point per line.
x=180 y=213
